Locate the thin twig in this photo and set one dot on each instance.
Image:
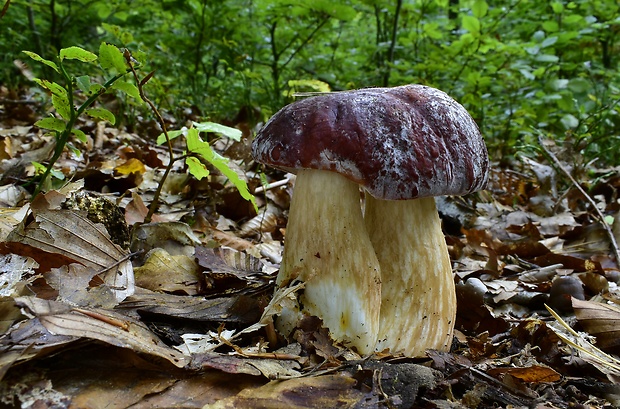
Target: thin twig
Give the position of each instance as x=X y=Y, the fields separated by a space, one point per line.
x=160 y=120
x=598 y=212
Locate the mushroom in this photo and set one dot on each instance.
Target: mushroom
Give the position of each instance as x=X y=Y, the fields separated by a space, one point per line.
x=367 y=276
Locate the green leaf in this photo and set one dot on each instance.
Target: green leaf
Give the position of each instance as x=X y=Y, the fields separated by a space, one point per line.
x=54 y=88
x=52 y=123
x=480 y=8
x=580 y=85
x=102 y=113
x=221 y=164
x=547 y=58
x=574 y=18
x=550 y=26
x=198 y=146
x=557 y=7
x=471 y=24
x=77 y=53
x=196 y=168
x=161 y=139
x=332 y=8
x=315 y=85
x=111 y=58
x=95 y=89
x=231 y=133
x=80 y=135
x=127 y=88
x=549 y=41
x=569 y=121
x=61 y=104
x=125 y=37
x=38 y=58
x=39 y=168
x=83 y=83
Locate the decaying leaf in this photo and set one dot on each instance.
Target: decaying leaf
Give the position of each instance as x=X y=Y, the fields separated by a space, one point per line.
x=103 y=325
x=600 y=320
x=230 y=240
x=230 y=271
x=329 y=391
x=270 y=368
x=74 y=237
x=73 y=285
x=175 y=237
x=15 y=273
x=28 y=339
x=241 y=309
x=167 y=273
x=605 y=363
x=529 y=374
x=265 y=221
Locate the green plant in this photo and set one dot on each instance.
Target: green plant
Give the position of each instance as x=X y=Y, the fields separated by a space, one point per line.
x=62 y=124
x=115 y=65
x=199 y=155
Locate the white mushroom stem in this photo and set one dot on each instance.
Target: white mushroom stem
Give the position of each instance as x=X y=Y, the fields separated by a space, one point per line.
x=327 y=248
x=418 y=304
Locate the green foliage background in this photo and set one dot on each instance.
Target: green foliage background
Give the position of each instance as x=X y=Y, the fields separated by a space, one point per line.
x=521 y=67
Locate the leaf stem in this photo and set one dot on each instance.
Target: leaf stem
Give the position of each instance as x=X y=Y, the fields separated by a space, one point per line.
x=162 y=123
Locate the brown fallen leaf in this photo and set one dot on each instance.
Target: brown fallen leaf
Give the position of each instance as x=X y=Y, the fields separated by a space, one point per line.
x=266 y=221
x=26 y=340
x=600 y=320
x=175 y=237
x=240 y=309
x=229 y=271
x=270 y=368
x=164 y=272
x=103 y=325
x=136 y=211
x=328 y=391
x=529 y=374
x=74 y=285
x=76 y=238
x=606 y=363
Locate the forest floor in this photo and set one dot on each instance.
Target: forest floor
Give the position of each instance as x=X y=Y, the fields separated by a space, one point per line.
x=100 y=310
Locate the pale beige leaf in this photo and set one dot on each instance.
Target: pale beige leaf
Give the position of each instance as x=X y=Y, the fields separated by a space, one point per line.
x=266 y=221
x=607 y=364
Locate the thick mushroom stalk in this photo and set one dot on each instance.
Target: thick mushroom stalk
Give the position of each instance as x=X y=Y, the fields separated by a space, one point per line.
x=328 y=249
x=399 y=144
x=418 y=299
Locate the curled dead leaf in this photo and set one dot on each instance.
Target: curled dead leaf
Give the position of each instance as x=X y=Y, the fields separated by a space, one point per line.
x=600 y=320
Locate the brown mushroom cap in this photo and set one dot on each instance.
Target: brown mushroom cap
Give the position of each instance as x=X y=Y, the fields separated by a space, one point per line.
x=399 y=143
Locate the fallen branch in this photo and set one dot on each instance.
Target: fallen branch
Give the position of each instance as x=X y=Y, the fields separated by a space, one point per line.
x=599 y=214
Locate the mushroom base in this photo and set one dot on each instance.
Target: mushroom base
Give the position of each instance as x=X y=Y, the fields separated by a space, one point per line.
x=328 y=249
x=418 y=304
